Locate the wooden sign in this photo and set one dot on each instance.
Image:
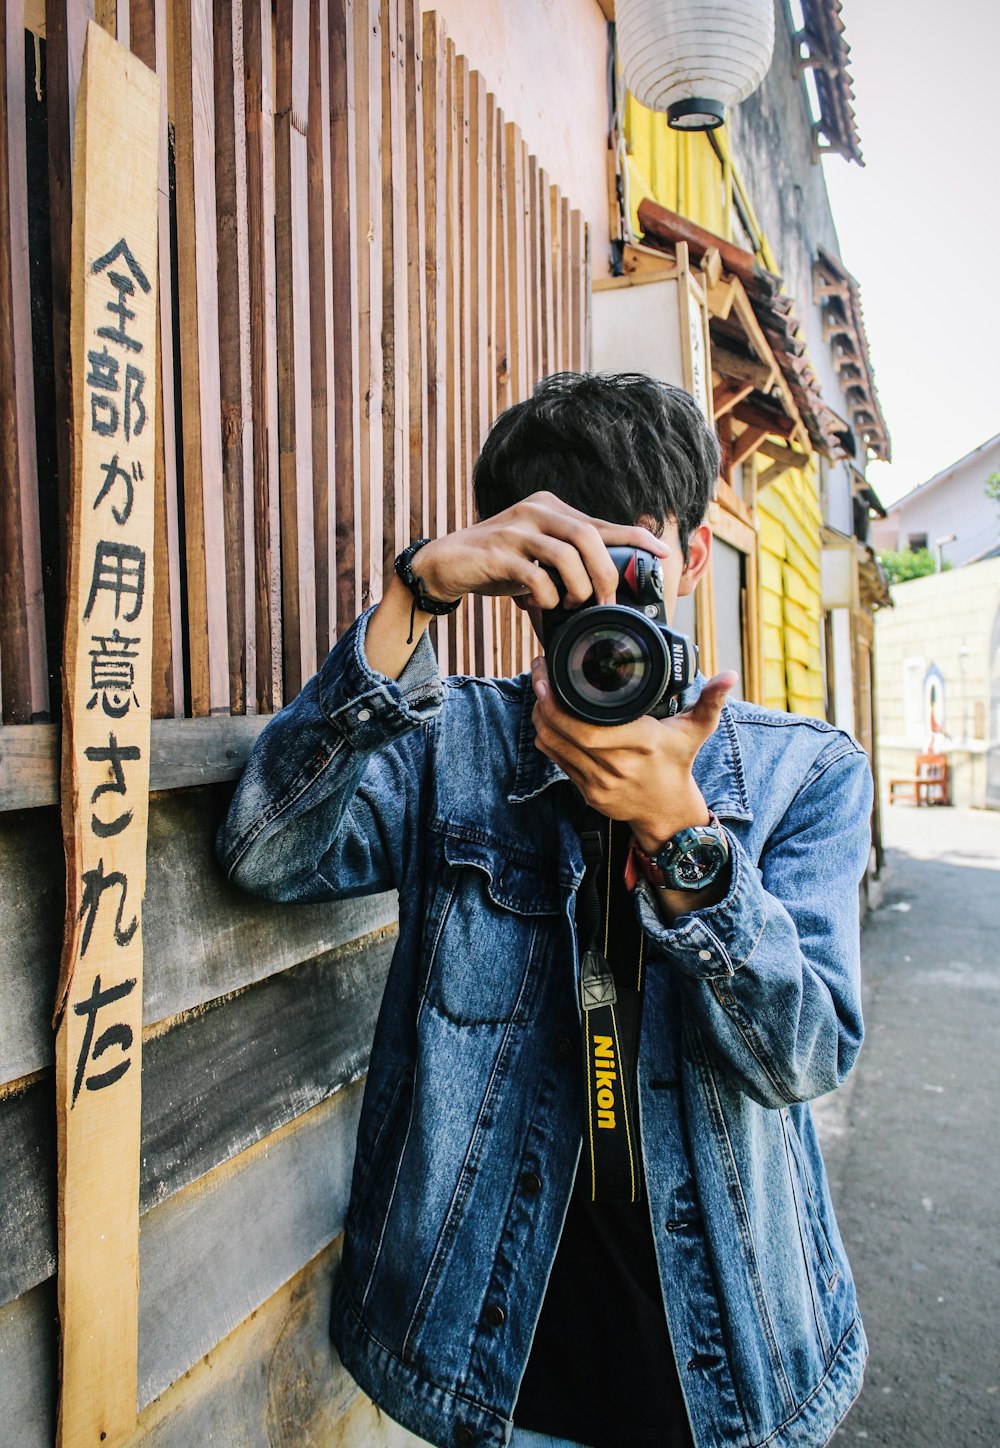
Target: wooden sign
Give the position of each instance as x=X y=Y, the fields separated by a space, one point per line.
x=105 y=739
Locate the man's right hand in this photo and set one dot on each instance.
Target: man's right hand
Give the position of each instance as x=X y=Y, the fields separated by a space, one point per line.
x=502 y=555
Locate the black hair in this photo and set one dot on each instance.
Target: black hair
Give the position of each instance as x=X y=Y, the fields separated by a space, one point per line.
x=618 y=446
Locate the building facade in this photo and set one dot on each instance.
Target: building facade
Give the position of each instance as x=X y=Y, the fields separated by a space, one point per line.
x=950 y=513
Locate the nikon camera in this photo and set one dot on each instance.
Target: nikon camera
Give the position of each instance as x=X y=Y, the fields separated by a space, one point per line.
x=611 y=663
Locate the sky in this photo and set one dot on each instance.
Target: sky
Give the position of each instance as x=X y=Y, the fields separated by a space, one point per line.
x=919 y=224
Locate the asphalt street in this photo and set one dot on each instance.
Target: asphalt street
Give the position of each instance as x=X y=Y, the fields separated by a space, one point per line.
x=912 y=1141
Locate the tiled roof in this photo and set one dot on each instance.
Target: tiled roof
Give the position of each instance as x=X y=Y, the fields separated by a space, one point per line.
x=823 y=49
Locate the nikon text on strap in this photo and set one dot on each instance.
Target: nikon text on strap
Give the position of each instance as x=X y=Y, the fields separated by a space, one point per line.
x=610 y=943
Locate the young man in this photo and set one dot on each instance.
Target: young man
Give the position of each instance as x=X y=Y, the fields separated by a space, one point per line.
x=481 y=1284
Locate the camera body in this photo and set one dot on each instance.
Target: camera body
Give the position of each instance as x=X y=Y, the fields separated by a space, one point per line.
x=612 y=663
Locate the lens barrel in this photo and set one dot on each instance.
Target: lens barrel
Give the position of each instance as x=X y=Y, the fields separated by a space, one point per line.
x=609 y=664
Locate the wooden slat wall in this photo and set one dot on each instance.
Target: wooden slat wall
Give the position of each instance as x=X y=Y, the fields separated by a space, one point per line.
x=360 y=265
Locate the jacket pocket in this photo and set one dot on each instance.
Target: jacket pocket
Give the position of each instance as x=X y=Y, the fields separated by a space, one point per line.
x=808 y=1207
x=490 y=931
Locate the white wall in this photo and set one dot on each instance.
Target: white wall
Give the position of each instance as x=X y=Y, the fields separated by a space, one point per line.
x=546 y=62
x=957 y=504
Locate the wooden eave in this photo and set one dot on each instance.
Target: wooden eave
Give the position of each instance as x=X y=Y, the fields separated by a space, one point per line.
x=823 y=49
x=838 y=294
x=765 y=315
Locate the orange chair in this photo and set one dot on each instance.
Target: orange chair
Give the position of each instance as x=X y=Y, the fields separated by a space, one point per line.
x=929 y=782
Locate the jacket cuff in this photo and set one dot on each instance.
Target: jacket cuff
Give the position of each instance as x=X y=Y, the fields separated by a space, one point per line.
x=716 y=941
x=368 y=708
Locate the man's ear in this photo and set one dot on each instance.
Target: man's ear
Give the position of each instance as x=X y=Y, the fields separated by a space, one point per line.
x=699 y=554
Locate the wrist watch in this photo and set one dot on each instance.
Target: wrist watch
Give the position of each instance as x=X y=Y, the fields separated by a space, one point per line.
x=692 y=859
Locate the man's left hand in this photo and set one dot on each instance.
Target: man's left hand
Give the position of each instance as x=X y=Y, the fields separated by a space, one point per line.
x=640 y=771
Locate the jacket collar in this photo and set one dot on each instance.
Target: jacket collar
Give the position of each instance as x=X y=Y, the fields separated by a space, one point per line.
x=718 y=768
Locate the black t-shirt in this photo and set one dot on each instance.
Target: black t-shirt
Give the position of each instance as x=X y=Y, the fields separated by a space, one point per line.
x=601 y=1370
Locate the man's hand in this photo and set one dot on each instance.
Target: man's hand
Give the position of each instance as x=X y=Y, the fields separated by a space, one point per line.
x=639 y=772
x=502 y=555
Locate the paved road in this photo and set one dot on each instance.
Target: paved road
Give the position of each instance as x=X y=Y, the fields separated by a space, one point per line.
x=912 y=1143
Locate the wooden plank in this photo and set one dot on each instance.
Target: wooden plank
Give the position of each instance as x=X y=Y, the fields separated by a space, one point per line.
x=577 y=282
x=345 y=308
x=560 y=340
x=456 y=622
x=534 y=232
x=467 y=339
x=261 y=1058
x=546 y=277
x=395 y=302
x=435 y=145
x=234 y=349
x=291 y=233
x=200 y=1278
x=99 y=997
x=368 y=222
x=493 y=260
x=65 y=29
x=480 y=338
x=24 y=680
x=416 y=283
x=29 y=1331
x=192 y=81
x=148 y=33
x=275 y=1380
x=263 y=351
x=321 y=328
x=565 y=325
x=516 y=268
x=202 y=937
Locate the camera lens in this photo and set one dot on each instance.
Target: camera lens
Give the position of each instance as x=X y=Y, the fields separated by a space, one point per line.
x=609 y=665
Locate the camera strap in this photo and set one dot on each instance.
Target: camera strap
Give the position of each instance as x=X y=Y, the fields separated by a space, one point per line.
x=610 y=943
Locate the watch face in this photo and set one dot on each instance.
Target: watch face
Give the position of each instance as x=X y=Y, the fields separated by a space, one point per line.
x=699 y=862
x=699 y=867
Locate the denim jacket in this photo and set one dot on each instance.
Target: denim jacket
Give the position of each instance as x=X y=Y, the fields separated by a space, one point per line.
x=434 y=787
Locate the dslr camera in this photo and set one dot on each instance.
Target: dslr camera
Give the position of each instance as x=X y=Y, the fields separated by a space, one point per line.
x=611 y=663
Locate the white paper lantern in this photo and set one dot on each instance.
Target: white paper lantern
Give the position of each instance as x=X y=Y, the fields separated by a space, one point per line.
x=693 y=58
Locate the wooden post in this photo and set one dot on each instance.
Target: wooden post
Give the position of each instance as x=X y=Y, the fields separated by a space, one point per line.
x=106 y=730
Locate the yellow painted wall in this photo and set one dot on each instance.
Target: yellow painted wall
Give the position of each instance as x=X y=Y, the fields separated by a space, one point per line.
x=789 y=518
x=684 y=173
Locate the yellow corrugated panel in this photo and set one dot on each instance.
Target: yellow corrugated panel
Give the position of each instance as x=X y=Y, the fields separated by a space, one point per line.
x=799 y=618
x=772 y=534
x=770 y=569
x=774 y=684
x=797 y=588
x=680 y=171
x=805 y=689
x=771 y=608
x=796 y=645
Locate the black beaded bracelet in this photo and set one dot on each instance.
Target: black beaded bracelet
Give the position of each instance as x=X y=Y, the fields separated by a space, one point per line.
x=415 y=583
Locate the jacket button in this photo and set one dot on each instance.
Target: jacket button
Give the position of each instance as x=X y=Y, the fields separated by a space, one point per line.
x=464 y=1435
x=495 y=1316
x=564 y=1047
x=531 y=1183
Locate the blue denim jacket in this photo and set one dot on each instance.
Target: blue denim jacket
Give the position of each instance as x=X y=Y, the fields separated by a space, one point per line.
x=434 y=787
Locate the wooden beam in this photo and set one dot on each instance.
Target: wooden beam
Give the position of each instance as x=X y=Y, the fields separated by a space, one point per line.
x=746 y=443
x=786 y=455
x=735 y=367
x=99 y=996
x=774 y=422
x=725 y=399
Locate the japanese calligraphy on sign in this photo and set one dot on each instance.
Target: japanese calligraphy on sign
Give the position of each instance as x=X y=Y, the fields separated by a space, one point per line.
x=106 y=733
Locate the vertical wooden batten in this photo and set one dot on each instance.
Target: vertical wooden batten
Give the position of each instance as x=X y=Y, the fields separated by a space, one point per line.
x=435 y=143
x=192 y=83
x=298 y=576
x=416 y=281
x=368 y=223
x=345 y=309
x=321 y=326
x=234 y=349
x=148 y=39
x=24 y=685
x=263 y=352
x=395 y=301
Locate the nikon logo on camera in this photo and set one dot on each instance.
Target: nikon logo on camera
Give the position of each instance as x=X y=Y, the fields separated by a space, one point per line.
x=605 y=1075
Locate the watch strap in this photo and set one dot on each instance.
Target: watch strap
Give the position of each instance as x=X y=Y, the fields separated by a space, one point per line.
x=638 y=862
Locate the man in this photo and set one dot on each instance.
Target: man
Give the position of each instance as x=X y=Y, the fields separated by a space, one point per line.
x=479 y=1287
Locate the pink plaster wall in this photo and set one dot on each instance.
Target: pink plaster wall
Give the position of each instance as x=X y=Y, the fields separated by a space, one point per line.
x=546 y=62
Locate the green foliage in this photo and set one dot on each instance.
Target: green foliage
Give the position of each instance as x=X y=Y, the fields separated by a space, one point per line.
x=907 y=563
x=993 y=488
